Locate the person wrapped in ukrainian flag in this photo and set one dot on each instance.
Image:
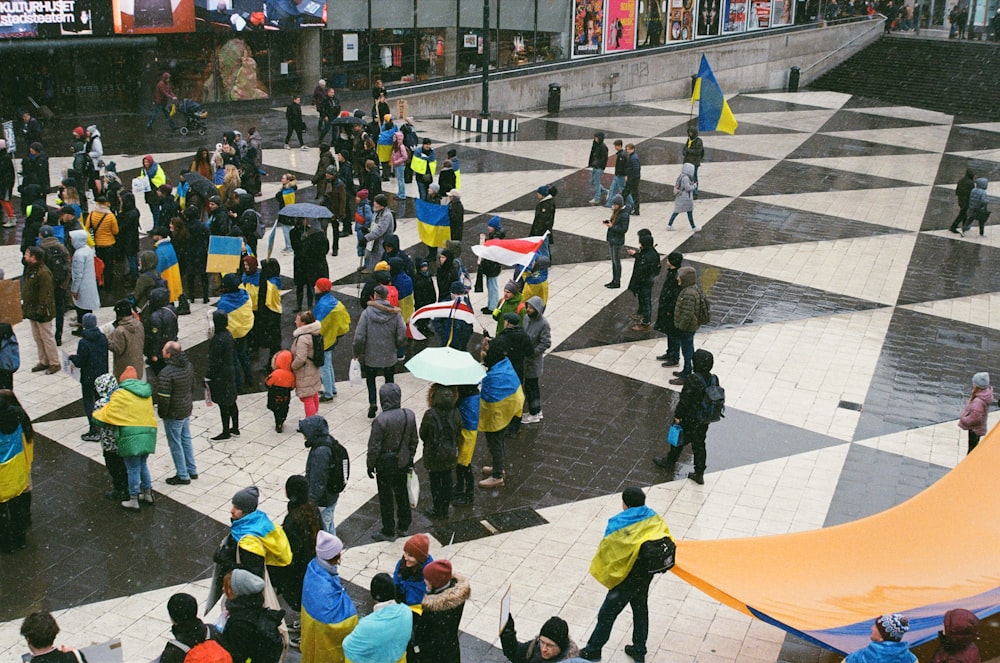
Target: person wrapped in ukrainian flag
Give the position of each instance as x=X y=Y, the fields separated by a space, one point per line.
x=468 y=408
x=334 y=322
x=16 y=455
x=254 y=542
x=235 y=302
x=328 y=615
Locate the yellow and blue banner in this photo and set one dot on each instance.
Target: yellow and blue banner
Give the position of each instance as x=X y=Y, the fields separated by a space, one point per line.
x=618 y=550
x=251 y=283
x=170 y=269
x=433 y=224
x=468 y=410
x=328 y=616
x=224 y=254
x=404 y=288
x=422 y=163
x=256 y=534
x=15 y=464
x=713 y=109
x=501 y=397
x=237 y=305
x=333 y=318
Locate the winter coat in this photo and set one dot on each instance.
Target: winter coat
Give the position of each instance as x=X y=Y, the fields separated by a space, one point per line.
x=446 y=181
x=684 y=190
x=456 y=218
x=964 y=188
x=95 y=147
x=393 y=430
x=189 y=633
x=126 y=343
x=241 y=637
x=668 y=300
x=883 y=652
x=104 y=225
x=512 y=343
x=621 y=163
x=38 y=300
x=382 y=636
x=540 y=334
x=619 y=227
x=83 y=284
x=436 y=632
x=957 y=642
x=53 y=242
x=91 y=356
x=162 y=324
x=309 y=262
x=127 y=239
x=35 y=170
x=325 y=454
x=383 y=224
x=977 y=197
x=7 y=177
x=694 y=150
x=293 y=116
x=399 y=155
x=598 y=153
x=409 y=581
x=647 y=266
x=326 y=160
x=440 y=429
x=220 y=365
x=380 y=331
x=423 y=290
x=530 y=651
x=175 y=388
x=687 y=410
x=975 y=412
x=545 y=217
x=130 y=409
x=307 y=374
x=686 y=309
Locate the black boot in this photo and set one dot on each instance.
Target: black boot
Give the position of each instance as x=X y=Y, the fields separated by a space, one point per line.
x=463 y=490
x=183 y=307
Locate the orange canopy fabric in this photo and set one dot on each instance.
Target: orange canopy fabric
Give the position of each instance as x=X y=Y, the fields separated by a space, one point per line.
x=934 y=552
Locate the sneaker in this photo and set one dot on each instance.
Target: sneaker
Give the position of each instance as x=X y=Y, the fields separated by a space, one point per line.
x=177 y=481
x=677 y=381
x=487 y=471
x=637 y=655
x=953 y=230
x=10 y=223
x=132 y=503
x=697 y=478
x=287 y=146
x=594 y=202
x=663 y=463
x=90 y=437
x=670 y=362
x=670 y=227
x=382 y=536
x=530 y=419
x=325 y=399
x=294 y=639
x=642 y=327
x=279 y=428
x=491 y=482
x=695 y=229
x=635 y=317
x=304 y=148
x=590 y=653
x=146 y=497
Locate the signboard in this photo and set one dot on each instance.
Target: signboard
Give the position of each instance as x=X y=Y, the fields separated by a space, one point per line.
x=588 y=27
x=650 y=28
x=760 y=15
x=621 y=25
x=10 y=136
x=10 y=301
x=258 y=15
x=734 y=16
x=351 y=47
x=22 y=19
x=781 y=12
x=141 y=17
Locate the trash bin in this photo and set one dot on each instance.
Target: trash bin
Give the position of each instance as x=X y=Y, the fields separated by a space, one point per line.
x=555 y=93
x=793 y=79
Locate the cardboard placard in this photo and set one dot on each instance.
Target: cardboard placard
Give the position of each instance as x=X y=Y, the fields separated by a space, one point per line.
x=400 y=109
x=10 y=302
x=224 y=254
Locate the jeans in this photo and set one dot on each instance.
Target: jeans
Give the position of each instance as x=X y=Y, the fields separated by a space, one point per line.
x=533 y=395
x=179 y=440
x=326 y=373
x=327 y=516
x=595 y=181
x=492 y=292
x=400 y=181
x=633 y=591
x=695 y=436
x=645 y=296
x=617 y=186
x=686 y=340
x=133 y=266
x=616 y=262
x=370 y=374
x=673 y=216
x=286 y=230
x=157 y=109
x=138 y=474
x=422 y=187
x=393 y=502
x=495 y=443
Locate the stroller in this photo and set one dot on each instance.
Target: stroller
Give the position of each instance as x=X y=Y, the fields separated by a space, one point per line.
x=194 y=117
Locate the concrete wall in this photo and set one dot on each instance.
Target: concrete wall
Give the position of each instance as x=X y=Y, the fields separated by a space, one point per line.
x=749 y=62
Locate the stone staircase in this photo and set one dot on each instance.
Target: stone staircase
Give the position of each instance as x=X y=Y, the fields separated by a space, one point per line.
x=949 y=76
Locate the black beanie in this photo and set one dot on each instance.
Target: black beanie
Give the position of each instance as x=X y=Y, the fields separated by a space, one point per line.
x=633 y=497
x=382 y=587
x=675 y=258
x=557 y=630
x=182 y=608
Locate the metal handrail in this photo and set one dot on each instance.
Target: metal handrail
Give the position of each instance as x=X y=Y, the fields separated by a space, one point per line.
x=877 y=26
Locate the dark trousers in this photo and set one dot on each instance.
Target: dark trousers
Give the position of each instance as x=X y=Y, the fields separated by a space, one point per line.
x=230 y=417
x=117 y=471
x=388 y=372
x=189 y=289
x=108 y=255
x=242 y=360
x=633 y=591
x=7 y=380
x=973 y=441
x=15 y=516
x=673 y=347
x=959 y=221
x=695 y=436
x=299 y=290
x=441 y=490
x=89 y=396
x=393 y=502
x=60 y=296
x=298 y=133
x=645 y=296
x=632 y=189
x=495 y=444
x=616 y=262
x=533 y=395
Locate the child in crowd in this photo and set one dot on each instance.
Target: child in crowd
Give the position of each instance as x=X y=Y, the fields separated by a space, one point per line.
x=280 y=383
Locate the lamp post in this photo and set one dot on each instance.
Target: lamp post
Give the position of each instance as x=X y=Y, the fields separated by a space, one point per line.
x=486 y=60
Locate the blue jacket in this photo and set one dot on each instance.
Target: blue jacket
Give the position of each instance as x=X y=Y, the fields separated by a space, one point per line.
x=883 y=652
x=10 y=354
x=91 y=356
x=410 y=590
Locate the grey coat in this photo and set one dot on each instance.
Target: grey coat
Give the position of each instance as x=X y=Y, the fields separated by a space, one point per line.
x=380 y=331
x=538 y=331
x=83 y=282
x=383 y=225
x=684 y=190
x=395 y=429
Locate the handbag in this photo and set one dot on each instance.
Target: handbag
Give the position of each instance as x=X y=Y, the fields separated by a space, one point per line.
x=354 y=373
x=675 y=436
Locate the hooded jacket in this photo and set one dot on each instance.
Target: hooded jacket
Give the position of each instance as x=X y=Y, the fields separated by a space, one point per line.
x=684 y=189
x=686 y=309
x=957 y=642
x=883 y=652
x=598 y=153
x=975 y=412
x=307 y=374
x=399 y=154
x=380 y=331
x=694 y=149
x=393 y=430
x=162 y=324
x=220 y=361
x=436 y=632
x=440 y=430
x=174 y=388
x=282 y=375
x=95 y=147
x=977 y=197
x=325 y=455
x=693 y=390
x=126 y=343
x=148 y=279
x=83 y=283
x=540 y=334
x=127 y=239
x=381 y=637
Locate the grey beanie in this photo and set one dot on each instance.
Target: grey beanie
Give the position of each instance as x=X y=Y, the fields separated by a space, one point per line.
x=245 y=583
x=981 y=380
x=246 y=500
x=618 y=200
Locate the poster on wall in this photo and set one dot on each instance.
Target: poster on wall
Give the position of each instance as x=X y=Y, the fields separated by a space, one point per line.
x=621 y=25
x=734 y=16
x=708 y=18
x=681 y=21
x=588 y=27
x=650 y=28
x=760 y=15
x=258 y=15
x=781 y=12
x=143 y=17
x=351 y=47
x=27 y=19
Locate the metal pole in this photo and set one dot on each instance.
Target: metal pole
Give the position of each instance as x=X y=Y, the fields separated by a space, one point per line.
x=486 y=59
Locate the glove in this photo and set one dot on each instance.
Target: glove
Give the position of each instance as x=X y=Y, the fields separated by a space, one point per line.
x=371 y=472
x=496 y=313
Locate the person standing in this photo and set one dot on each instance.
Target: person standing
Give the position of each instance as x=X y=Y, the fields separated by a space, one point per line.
x=126 y=340
x=962 y=191
x=174 y=398
x=308 y=381
x=38 y=306
x=163 y=97
x=957 y=642
x=647 y=267
x=379 y=332
x=684 y=189
x=551 y=644
x=627 y=580
x=31 y=128
x=439 y=430
x=327 y=467
x=160 y=328
x=10 y=355
x=537 y=329
x=424 y=166
x=327 y=159
x=633 y=176
x=59 y=262
x=545 y=212
x=17 y=439
x=157 y=178
x=39 y=630
x=334 y=321
x=621 y=170
x=329 y=111
x=391 y=447
x=436 y=632
x=408 y=576
x=689 y=414
x=597 y=162
x=384 y=634
x=92 y=359
x=302 y=524
x=665 y=311
x=694 y=153
x=328 y=615
x=318 y=95
x=975 y=412
x=188 y=631
x=35 y=170
x=688 y=318
x=886 y=639
x=617 y=227
x=222 y=369
x=7 y=181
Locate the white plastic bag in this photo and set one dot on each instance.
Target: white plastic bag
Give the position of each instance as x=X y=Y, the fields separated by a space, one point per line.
x=354 y=374
x=412 y=487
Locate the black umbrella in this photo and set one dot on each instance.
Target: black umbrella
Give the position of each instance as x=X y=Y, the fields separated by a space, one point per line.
x=201 y=185
x=349 y=121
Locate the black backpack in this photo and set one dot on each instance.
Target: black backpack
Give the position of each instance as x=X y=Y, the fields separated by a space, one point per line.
x=340 y=468
x=657 y=556
x=55 y=260
x=712 y=406
x=319 y=352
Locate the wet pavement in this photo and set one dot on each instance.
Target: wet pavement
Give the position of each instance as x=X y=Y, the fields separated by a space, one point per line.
x=847 y=322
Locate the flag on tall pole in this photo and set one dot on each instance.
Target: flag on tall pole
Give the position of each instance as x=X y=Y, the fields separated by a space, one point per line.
x=713 y=110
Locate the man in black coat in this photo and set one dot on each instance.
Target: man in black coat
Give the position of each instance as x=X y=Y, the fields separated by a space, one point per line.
x=161 y=328
x=665 y=311
x=293 y=118
x=174 y=399
x=514 y=344
x=456 y=214
x=35 y=168
x=633 y=175
x=962 y=191
x=597 y=162
x=688 y=416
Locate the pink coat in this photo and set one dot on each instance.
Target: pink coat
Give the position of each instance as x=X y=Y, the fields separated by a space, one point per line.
x=974 y=413
x=399 y=154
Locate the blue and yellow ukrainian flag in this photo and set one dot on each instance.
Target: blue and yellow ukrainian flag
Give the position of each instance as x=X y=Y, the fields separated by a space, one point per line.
x=15 y=464
x=433 y=224
x=457 y=167
x=224 y=254
x=328 y=616
x=170 y=270
x=421 y=163
x=256 y=534
x=237 y=305
x=468 y=409
x=251 y=283
x=501 y=397
x=619 y=548
x=713 y=109
x=404 y=288
x=333 y=318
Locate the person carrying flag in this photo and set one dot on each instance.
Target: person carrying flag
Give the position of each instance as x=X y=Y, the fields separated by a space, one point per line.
x=328 y=615
x=235 y=302
x=254 y=542
x=334 y=322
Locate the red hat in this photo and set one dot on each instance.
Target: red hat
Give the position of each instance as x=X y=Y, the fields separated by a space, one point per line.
x=78 y=132
x=323 y=285
x=418 y=546
x=438 y=573
x=363 y=194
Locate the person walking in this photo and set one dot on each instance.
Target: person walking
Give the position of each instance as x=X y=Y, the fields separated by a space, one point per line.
x=174 y=400
x=691 y=416
x=439 y=430
x=539 y=333
x=379 y=332
x=163 y=97
x=328 y=467
x=597 y=162
x=38 y=307
x=962 y=191
x=617 y=227
x=689 y=315
x=621 y=171
x=222 y=369
x=308 y=381
x=293 y=118
x=392 y=445
x=7 y=181
x=684 y=188
x=977 y=207
x=633 y=176
x=617 y=566
x=694 y=154
x=665 y=311
x=977 y=409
